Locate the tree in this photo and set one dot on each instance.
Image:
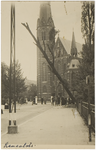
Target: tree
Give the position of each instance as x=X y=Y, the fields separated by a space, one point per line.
x=4 y=82
x=87 y=63
x=87 y=21
x=20 y=81
x=31 y=91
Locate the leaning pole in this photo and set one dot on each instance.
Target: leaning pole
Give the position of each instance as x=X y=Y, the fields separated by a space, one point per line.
x=12 y=127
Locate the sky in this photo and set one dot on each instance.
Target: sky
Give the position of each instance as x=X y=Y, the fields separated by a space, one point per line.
x=26 y=51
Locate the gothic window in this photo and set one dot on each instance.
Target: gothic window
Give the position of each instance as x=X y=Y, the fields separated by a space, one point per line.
x=43 y=35
x=59 y=66
x=58 y=52
x=44 y=89
x=44 y=72
x=62 y=52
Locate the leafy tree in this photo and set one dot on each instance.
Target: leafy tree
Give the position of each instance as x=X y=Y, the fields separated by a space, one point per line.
x=87 y=63
x=87 y=21
x=31 y=91
x=4 y=82
x=19 y=80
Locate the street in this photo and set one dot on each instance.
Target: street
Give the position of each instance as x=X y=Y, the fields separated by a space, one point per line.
x=24 y=113
x=47 y=125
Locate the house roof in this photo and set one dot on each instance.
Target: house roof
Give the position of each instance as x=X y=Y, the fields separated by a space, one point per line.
x=67 y=45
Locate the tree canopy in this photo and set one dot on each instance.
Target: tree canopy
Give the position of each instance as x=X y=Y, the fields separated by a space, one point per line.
x=5 y=81
x=87 y=63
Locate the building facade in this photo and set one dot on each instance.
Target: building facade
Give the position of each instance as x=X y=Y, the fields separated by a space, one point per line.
x=44 y=25
x=66 y=58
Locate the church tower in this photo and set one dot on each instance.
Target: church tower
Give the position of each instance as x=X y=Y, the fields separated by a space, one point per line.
x=44 y=76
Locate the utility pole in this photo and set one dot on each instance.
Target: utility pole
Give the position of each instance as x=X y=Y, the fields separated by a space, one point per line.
x=12 y=128
x=89 y=111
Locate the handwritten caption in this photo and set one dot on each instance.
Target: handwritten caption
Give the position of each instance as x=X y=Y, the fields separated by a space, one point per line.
x=7 y=145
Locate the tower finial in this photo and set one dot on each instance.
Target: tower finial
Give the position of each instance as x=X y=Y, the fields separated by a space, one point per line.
x=73 y=46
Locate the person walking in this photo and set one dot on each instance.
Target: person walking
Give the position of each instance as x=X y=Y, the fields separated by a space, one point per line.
x=42 y=100
x=62 y=100
x=51 y=99
x=36 y=100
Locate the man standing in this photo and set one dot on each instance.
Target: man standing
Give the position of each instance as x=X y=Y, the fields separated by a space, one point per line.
x=36 y=100
x=42 y=100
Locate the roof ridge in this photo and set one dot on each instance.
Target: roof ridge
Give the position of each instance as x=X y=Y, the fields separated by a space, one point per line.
x=69 y=40
x=65 y=39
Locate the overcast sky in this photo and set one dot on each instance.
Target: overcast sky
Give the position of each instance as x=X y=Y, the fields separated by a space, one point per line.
x=26 y=51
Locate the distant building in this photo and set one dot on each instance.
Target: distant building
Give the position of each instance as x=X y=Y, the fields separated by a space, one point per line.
x=66 y=54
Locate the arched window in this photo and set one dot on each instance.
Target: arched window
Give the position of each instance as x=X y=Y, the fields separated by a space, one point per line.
x=44 y=72
x=59 y=69
x=44 y=89
x=43 y=35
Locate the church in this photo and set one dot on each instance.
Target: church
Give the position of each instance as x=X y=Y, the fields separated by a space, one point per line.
x=66 y=58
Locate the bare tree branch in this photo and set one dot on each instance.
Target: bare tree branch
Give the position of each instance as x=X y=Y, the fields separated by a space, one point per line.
x=64 y=82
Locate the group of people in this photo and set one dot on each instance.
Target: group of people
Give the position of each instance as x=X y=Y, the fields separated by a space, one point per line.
x=43 y=101
x=57 y=100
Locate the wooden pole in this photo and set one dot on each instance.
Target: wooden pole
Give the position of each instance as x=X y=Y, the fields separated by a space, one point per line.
x=89 y=111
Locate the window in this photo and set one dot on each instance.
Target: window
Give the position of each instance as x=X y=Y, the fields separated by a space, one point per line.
x=43 y=35
x=44 y=72
x=44 y=89
x=73 y=65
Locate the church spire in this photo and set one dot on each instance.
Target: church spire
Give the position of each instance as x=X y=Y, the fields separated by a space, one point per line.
x=45 y=11
x=45 y=17
x=73 y=46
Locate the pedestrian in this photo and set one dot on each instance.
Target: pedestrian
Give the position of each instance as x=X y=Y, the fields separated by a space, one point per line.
x=58 y=100
x=62 y=100
x=36 y=100
x=65 y=101
x=54 y=101
x=42 y=100
x=32 y=102
x=51 y=99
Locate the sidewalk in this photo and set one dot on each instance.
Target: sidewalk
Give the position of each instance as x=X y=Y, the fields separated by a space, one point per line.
x=55 y=128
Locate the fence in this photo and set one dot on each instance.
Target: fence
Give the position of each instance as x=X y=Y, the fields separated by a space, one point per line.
x=82 y=107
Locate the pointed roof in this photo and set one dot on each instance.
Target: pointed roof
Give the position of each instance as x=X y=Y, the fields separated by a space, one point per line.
x=67 y=45
x=73 y=46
